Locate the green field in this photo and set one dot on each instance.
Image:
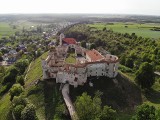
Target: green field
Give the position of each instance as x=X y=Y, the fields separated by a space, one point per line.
x=140 y=29
x=6 y=29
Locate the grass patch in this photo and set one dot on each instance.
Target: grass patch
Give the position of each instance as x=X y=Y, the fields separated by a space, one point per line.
x=35 y=71
x=5 y=107
x=123 y=116
x=6 y=29
x=71 y=58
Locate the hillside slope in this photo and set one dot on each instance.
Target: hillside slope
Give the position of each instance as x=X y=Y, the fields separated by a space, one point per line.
x=45 y=95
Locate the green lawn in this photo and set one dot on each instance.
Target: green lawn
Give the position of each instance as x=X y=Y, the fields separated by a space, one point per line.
x=5 y=107
x=71 y=58
x=35 y=71
x=6 y=29
x=140 y=29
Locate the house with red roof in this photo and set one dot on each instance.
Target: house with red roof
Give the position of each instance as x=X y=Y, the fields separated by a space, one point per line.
x=93 y=56
x=69 y=41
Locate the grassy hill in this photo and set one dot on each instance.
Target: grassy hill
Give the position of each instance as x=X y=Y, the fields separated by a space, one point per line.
x=121 y=93
x=45 y=95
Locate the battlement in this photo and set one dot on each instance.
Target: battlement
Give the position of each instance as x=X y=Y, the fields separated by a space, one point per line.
x=86 y=63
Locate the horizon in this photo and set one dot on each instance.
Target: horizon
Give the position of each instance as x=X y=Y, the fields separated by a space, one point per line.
x=124 y=7
x=112 y=14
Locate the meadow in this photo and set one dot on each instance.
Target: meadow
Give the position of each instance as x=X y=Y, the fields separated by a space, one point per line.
x=6 y=29
x=9 y=28
x=143 y=30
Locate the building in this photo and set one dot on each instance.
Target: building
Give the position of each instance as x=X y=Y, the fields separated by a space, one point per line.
x=88 y=63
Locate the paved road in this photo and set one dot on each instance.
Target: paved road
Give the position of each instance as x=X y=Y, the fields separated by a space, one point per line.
x=65 y=93
x=157 y=73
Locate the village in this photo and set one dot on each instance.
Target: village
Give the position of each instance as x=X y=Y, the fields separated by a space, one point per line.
x=13 y=51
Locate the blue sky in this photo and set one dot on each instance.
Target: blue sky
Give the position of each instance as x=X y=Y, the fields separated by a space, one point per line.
x=146 y=7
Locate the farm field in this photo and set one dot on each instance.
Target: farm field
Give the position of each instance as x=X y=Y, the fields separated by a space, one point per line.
x=140 y=29
x=6 y=29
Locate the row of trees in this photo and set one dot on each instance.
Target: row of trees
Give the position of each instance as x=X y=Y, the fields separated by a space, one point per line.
x=91 y=108
x=22 y=109
x=14 y=74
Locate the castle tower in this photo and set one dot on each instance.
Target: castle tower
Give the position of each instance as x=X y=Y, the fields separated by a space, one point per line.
x=61 y=38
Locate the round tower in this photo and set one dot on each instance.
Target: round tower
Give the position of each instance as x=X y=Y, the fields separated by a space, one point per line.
x=61 y=38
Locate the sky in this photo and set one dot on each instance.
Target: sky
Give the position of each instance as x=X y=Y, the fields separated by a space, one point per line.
x=143 y=7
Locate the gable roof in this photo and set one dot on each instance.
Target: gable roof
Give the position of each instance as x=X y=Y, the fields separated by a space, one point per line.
x=94 y=55
x=69 y=40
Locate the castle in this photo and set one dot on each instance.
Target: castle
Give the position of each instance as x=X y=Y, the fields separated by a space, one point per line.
x=87 y=63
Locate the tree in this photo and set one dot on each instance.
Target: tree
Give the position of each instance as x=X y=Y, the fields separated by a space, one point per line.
x=10 y=76
x=123 y=59
x=29 y=113
x=19 y=100
x=1 y=58
x=90 y=109
x=145 y=112
x=104 y=28
x=108 y=114
x=145 y=76
x=22 y=65
x=83 y=44
x=16 y=90
x=20 y=80
x=92 y=46
x=157 y=114
x=129 y=62
x=17 y=111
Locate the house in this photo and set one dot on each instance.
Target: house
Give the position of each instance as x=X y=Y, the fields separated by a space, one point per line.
x=69 y=41
x=93 y=56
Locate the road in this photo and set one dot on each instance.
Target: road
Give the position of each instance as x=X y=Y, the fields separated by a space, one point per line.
x=157 y=73
x=65 y=93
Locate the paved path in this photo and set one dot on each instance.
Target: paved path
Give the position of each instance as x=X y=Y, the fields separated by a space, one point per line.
x=157 y=73
x=65 y=93
x=27 y=71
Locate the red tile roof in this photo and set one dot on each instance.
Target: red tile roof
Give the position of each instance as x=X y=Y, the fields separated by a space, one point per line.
x=94 y=55
x=69 y=40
